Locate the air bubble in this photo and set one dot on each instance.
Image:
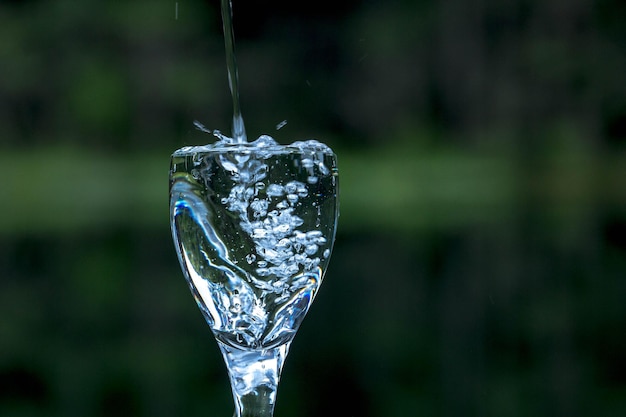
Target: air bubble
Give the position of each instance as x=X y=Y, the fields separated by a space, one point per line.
x=282 y=298
x=312 y=179
x=259 y=234
x=275 y=190
x=326 y=253
x=288 y=269
x=299 y=258
x=293 y=269
x=259 y=186
x=291 y=187
x=235 y=304
x=302 y=282
x=255 y=171
x=263 y=272
x=292 y=198
x=313 y=235
x=282 y=228
x=300 y=237
x=311 y=249
x=283 y=244
x=278 y=284
x=302 y=191
x=311 y=263
x=259 y=207
x=269 y=254
x=228 y=165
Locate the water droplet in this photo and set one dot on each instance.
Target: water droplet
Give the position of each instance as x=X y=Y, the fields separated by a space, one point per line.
x=199 y=125
x=326 y=253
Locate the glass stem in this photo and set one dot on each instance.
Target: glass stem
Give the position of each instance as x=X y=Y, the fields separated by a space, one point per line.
x=254 y=376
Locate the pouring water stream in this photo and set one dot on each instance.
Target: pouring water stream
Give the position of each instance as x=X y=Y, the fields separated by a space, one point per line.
x=239 y=130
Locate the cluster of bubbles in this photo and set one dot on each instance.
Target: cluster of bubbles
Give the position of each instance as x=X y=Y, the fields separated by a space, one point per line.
x=285 y=256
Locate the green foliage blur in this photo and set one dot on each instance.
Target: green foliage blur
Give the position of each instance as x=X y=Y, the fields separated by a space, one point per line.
x=480 y=263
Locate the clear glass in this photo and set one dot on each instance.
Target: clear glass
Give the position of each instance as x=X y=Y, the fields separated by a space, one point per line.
x=254 y=225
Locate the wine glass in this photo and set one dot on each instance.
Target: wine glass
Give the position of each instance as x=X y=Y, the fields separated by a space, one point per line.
x=254 y=225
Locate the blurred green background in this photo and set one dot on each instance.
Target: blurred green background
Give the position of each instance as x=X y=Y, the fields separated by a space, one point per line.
x=480 y=263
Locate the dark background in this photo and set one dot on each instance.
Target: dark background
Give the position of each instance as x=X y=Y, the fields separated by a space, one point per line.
x=479 y=267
